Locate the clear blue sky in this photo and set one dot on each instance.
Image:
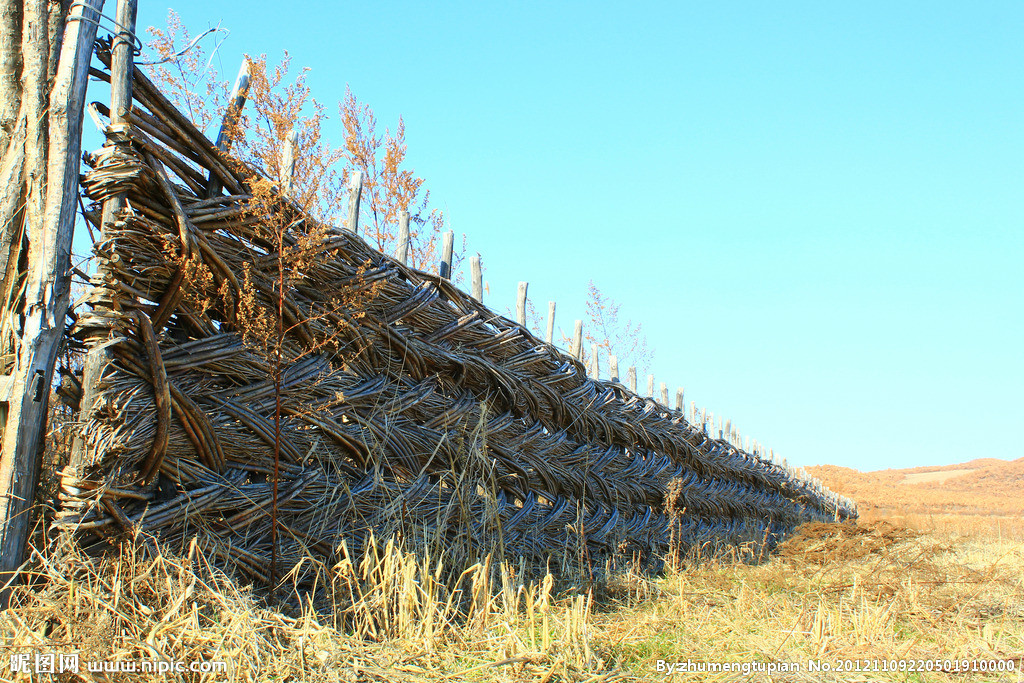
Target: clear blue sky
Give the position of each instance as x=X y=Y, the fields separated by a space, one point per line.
x=814 y=208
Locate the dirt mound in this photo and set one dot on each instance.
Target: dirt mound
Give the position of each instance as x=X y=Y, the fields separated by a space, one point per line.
x=823 y=542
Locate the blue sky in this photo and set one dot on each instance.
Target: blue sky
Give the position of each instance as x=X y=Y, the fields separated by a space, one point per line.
x=814 y=209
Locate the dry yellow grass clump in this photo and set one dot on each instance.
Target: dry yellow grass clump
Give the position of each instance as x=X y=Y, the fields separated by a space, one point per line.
x=833 y=593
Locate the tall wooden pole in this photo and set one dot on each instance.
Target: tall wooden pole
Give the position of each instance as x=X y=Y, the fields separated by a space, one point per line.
x=595 y=360
x=613 y=368
x=521 y=303
x=664 y=395
x=291 y=143
x=228 y=127
x=577 y=341
x=402 y=249
x=447 y=246
x=631 y=378
x=55 y=132
x=551 y=322
x=355 y=191
x=478 y=278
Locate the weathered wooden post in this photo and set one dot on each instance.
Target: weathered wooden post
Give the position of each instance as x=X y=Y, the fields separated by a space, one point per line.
x=99 y=356
x=478 y=278
x=595 y=367
x=728 y=430
x=631 y=378
x=680 y=399
x=445 y=269
x=551 y=322
x=664 y=395
x=228 y=127
x=291 y=143
x=44 y=191
x=402 y=248
x=521 y=303
x=355 y=191
x=613 y=368
x=650 y=386
x=576 y=350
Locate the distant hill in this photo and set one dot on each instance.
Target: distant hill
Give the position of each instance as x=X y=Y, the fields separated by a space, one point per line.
x=981 y=494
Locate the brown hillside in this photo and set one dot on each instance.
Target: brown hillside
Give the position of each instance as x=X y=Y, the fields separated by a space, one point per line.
x=986 y=494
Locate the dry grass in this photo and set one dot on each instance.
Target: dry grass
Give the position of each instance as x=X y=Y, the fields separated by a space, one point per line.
x=832 y=592
x=391 y=619
x=983 y=498
x=835 y=592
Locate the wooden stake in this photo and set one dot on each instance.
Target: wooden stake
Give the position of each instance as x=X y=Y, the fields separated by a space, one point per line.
x=631 y=378
x=402 y=249
x=613 y=368
x=228 y=127
x=680 y=399
x=355 y=191
x=291 y=143
x=595 y=360
x=478 y=278
x=521 y=303
x=577 y=341
x=446 y=255
x=50 y=210
x=551 y=322
x=664 y=395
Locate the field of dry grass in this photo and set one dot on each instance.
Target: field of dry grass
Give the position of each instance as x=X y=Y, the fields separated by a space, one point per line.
x=984 y=496
x=878 y=596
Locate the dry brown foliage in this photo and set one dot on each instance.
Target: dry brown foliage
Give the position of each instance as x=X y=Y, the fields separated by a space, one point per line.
x=984 y=496
x=279 y=104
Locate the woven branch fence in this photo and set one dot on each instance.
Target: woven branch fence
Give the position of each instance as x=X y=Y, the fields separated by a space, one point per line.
x=406 y=406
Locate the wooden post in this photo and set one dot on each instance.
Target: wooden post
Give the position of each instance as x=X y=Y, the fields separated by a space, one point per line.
x=551 y=322
x=664 y=395
x=445 y=269
x=720 y=434
x=728 y=430
x=595 y=362
x=521 y=303
x=478 y=278
x=693 y=411
x=650 y=386
x=52 y=157
x=355 y=191
x=631 y=378
x=680 y=399
x=228 y=127
x=577 y=341
x=291 y=143
x=613 y=368
x=402 y=249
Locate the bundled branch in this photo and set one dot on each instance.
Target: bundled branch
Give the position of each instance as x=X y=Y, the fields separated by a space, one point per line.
x=406 y=406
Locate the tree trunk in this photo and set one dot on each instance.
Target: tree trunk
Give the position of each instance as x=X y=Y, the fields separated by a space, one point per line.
x=51 y=149
x=10 y=68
